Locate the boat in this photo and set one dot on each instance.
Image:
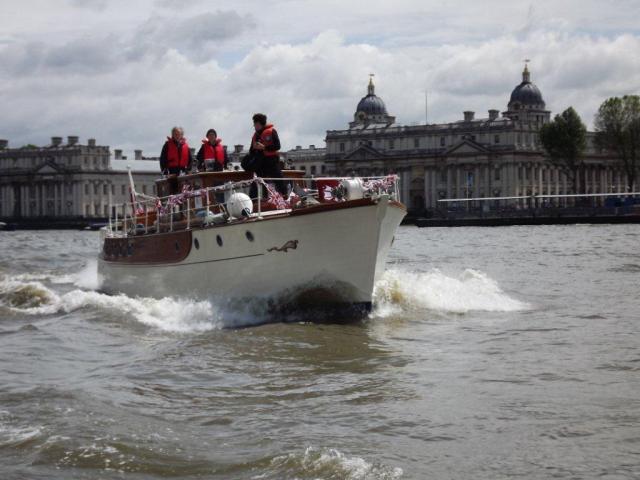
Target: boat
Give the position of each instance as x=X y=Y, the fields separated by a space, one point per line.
x=322 y=247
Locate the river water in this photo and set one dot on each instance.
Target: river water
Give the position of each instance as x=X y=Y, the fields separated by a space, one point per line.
x=491 y=353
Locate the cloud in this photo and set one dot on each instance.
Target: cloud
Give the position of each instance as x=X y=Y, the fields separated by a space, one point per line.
x=91 y=4
x=128 y=87
x=198 y=37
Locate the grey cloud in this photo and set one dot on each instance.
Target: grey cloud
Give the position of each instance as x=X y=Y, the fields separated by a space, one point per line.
x=82 y=55
x=196 y=36
x=92 y=4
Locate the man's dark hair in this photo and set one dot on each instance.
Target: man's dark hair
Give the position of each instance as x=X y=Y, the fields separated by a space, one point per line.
x=211 y=130
x=260 y=118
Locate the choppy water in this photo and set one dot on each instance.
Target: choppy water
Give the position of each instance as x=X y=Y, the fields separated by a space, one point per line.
x=492 y=353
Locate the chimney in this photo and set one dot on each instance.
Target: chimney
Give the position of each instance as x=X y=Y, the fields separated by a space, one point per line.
x=72 y=140
x=468 y=116
x=493 y=114
x=237 y=148
x=91 y=142
x=56 y=141
x=3 y=144
x=117 y=154
x=312 y=147
x=138 y=154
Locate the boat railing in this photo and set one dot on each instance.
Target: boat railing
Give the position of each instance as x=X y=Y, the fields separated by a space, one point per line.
x=209 y=206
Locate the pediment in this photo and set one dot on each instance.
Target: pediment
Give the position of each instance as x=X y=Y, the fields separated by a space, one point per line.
x=48 y=168
x=467 y=146
x=364 y=152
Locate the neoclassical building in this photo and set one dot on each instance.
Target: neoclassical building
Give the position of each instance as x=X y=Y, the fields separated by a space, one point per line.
x=496 y=155
x=63 y=180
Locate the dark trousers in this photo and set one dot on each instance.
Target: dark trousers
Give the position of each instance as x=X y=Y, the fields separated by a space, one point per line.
x=174 y=170
x=269 y=167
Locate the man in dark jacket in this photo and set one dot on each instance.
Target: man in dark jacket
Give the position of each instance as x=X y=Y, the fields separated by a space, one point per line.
x=264 y=151
x=212 y=156
x=176 y=156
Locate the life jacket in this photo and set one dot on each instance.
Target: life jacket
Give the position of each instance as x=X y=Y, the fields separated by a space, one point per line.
x=214 y=152
x=266 y=138
x=177 y=156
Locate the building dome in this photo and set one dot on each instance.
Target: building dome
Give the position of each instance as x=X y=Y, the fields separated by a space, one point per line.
x=526 y=94
x=371 y=104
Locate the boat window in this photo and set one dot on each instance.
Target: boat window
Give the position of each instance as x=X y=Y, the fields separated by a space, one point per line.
x=219 y=240
x=196 y=243
x=249 y=236
x=177 y=247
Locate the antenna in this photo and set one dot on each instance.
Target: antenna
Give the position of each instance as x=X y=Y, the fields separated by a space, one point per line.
x=426 y=108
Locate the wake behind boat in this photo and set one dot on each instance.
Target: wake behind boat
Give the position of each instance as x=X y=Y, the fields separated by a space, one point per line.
x=325 y=245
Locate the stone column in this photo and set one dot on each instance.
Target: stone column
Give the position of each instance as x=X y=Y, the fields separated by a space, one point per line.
x=23 y=200
x=405 y=188
x=434 y=187
x=77 y=207
x=449 y=175
x=541 y=171
x=477 y=181
x=55 y=199
x=425 y=187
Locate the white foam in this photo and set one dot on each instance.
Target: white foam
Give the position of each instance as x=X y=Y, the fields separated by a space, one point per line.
x=334 y=464
x=11 y=436
x=87 y=277
x=34 y=298
x=470 y=291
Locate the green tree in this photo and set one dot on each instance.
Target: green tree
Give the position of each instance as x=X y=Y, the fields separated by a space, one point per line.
x=565 y=139
x=618 y=130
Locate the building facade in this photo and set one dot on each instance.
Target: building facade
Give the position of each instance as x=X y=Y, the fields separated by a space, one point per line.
x=310 y=160
x=497 y=155
x=63 y=180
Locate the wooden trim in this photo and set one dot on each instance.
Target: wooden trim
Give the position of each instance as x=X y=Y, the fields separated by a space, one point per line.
x=169 y=247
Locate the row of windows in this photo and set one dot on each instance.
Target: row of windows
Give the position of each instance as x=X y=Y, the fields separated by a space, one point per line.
x=105 y=189
x=444 y=175
x=416 y=142
x=313 y=169
x=67 y=161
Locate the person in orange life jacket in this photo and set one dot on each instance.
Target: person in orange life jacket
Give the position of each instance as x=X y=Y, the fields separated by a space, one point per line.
x=212 y=156
x=176 y=156
x=264 y=153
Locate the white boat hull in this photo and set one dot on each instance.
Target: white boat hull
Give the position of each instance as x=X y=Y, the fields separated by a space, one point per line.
x=340 y=253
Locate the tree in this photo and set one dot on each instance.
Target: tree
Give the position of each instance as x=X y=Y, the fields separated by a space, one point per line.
x=618 y=130
x=565 y=139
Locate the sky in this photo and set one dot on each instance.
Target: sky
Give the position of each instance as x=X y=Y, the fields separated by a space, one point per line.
x=125 y=72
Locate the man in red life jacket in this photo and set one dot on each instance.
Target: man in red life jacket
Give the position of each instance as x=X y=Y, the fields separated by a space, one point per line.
x=212 y=156
x=176 y=157
x=264 y=152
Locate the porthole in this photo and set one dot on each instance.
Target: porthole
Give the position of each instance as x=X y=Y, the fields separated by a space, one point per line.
x=219 y=240
x=196 y=243
x=249 y=236
x=177 y=247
